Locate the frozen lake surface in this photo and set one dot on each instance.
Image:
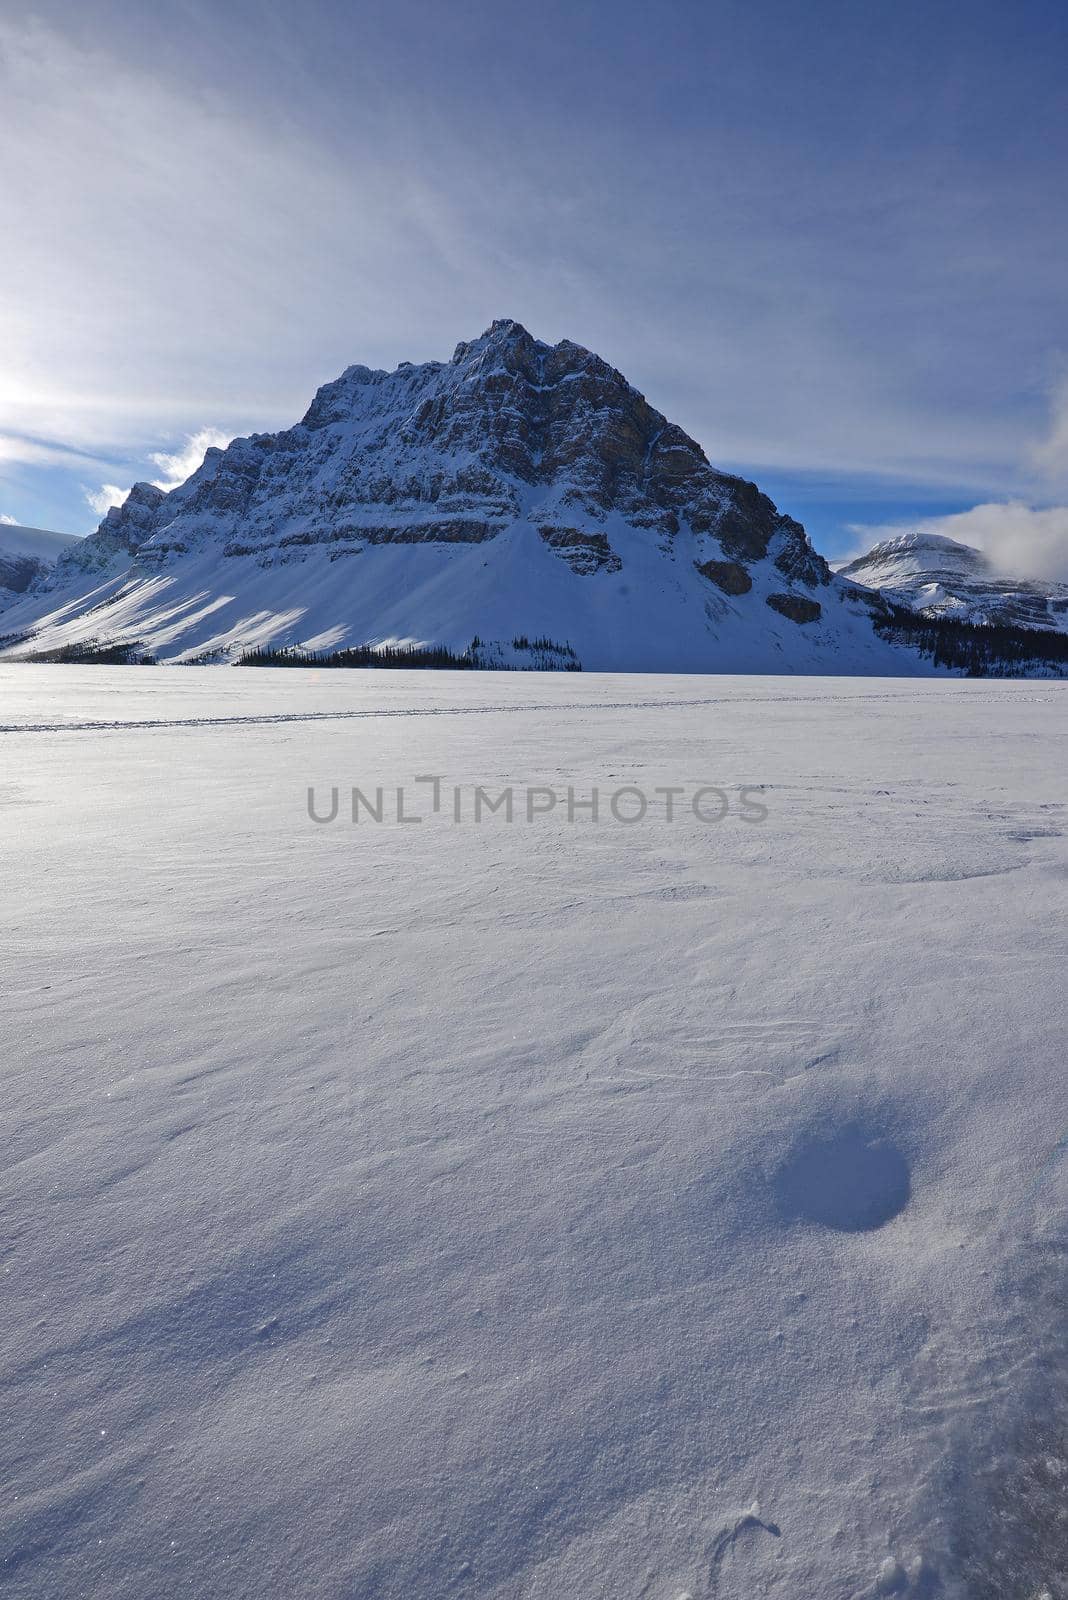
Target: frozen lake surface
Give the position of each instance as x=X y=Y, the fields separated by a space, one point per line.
x=607 y=1208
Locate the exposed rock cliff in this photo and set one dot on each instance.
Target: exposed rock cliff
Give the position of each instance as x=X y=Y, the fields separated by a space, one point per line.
x=520 y=489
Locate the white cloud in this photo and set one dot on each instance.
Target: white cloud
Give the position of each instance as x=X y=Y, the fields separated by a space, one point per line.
x=175 y=468
x=16 y=450
x=101 y=500
x=1022 y=541
x=184 y=241
x=1051 y=456
x=243 y=262
x=8 y=521
x=253 y=249
x=183 y=463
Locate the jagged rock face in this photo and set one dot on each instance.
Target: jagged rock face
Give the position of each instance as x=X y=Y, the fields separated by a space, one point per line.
x=455 y=453
x=115 y=543
x=547 y=414
x=520 y=490
x=938 y=577
x=585 y=553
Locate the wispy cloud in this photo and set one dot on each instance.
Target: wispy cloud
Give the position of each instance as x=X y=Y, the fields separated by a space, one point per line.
x=101 y=500
x=242 y=262
x=180 y=465
x=213 y=221
x=1021 y=541
x=175 y=467
x=20 y=450
x=1051 y=454
x=8 y=522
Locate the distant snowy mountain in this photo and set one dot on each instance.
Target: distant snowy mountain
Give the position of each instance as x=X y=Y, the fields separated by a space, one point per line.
x=520 y=491
x=27 y=556
x=941 y=578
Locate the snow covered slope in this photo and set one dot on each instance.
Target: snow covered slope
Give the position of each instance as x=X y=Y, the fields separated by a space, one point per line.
x=520 y=489
x=27 y=555
x=941 y=578
x=518 y=1212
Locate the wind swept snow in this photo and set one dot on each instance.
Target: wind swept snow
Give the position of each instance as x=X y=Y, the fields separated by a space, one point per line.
x=495 y=1210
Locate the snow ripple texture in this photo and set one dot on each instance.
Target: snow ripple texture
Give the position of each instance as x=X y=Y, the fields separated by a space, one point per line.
x=523 y=1211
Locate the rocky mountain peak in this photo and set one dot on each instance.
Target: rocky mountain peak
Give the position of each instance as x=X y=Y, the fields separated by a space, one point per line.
x=526 y=454
x=933 y=548
x=503 y=335
x=940 y=577
x=544 y=414
x=507 y=346
x=123 y=532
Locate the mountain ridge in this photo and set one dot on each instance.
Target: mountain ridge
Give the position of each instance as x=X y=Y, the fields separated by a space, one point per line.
x=940 y=578
x=520 y=490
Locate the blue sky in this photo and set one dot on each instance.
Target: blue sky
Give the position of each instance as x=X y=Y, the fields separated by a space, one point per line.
x=828 y=239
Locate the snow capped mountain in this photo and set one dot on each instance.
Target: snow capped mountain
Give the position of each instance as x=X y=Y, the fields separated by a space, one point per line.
x=941 y=578
x=519 y=491
x=27 y=555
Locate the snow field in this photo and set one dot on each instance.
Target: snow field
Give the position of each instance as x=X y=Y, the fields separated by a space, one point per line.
x=540 y=1209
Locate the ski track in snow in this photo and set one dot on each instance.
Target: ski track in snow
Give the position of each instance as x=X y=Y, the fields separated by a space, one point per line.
x=133 y=724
